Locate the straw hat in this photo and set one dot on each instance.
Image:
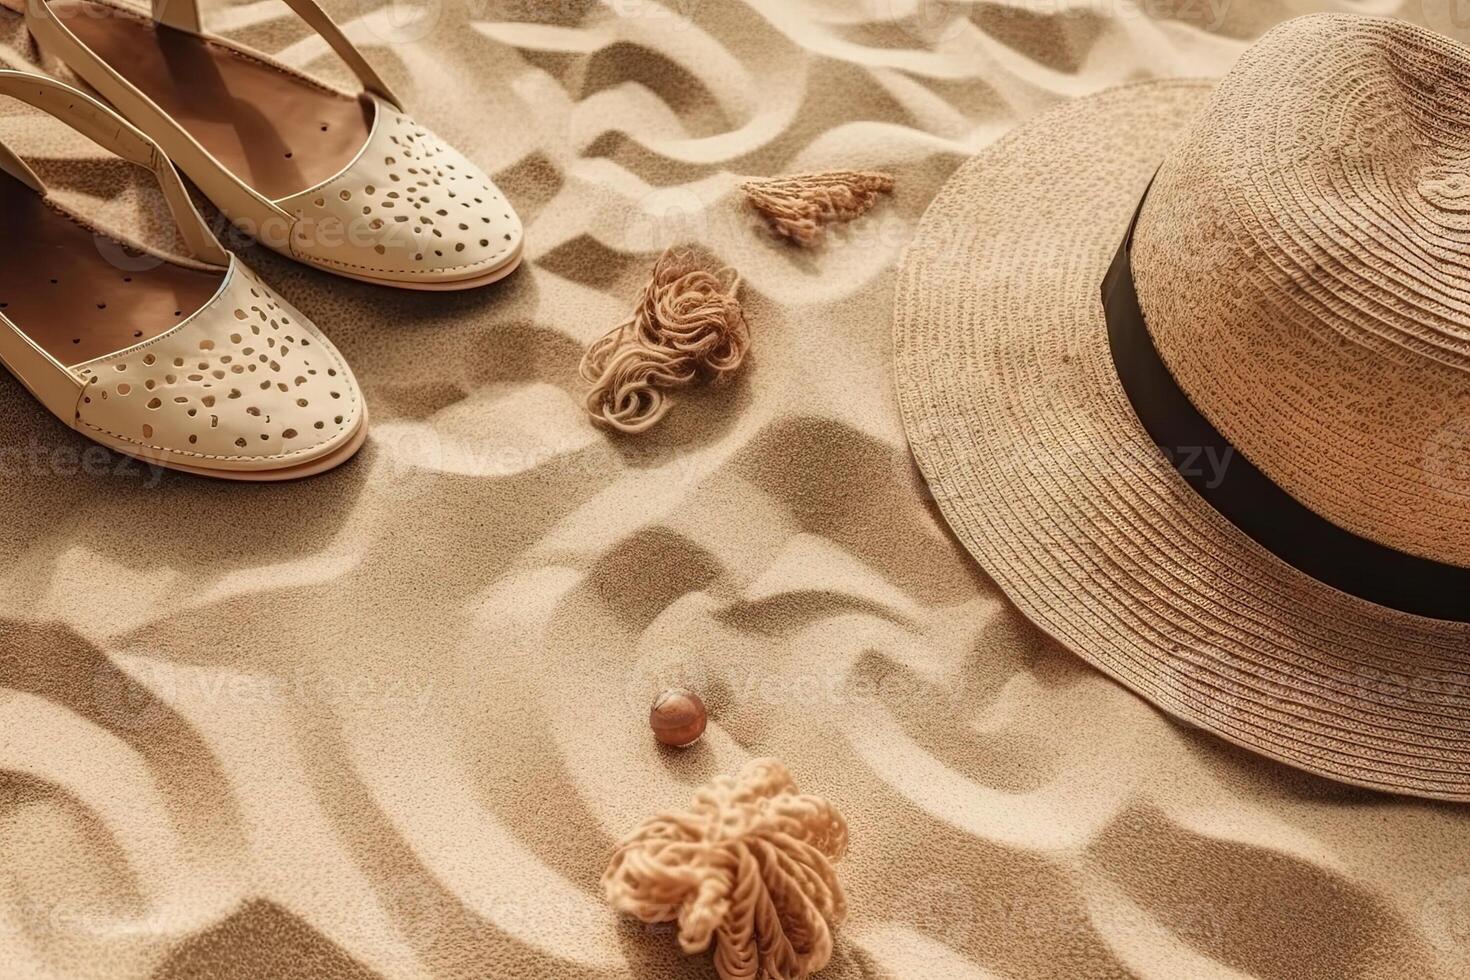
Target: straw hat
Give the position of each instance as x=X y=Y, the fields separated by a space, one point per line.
x=1235 y=477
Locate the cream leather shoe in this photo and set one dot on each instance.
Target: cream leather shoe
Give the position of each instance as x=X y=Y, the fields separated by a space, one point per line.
x=194 y=365
x=346 y=183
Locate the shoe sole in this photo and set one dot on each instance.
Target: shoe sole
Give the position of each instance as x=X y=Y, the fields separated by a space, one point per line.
x=300 y=471
x=494 y=275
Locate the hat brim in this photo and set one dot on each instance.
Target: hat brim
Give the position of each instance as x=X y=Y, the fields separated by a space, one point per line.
x=1039 y=464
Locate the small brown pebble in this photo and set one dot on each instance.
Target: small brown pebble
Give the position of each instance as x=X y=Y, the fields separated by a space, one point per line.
x=677 y=717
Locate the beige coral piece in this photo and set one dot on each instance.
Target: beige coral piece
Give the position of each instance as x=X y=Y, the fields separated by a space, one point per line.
x=747 y=867
x=799 y=207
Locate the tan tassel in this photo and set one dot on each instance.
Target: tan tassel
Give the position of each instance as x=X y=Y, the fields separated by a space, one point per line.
x=748 y=867
x=800 y=206
x=688 y=326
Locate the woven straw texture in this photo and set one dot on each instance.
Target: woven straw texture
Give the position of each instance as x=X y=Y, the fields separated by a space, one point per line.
x=1039 y=464
x=1302 y=263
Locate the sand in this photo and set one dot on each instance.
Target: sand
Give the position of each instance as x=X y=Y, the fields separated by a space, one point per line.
x=390 y=721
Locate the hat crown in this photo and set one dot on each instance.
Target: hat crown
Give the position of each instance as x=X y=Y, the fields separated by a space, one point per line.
x=1303 y=264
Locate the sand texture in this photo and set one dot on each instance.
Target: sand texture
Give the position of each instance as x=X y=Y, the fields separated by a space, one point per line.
x=389 y=722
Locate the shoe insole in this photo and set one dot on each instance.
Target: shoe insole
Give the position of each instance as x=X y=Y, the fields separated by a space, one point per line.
x=277 y=132
x=79 y=294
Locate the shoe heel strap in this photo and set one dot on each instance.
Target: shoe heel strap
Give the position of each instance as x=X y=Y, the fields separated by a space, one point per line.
x=184 y=15
x=113 y=133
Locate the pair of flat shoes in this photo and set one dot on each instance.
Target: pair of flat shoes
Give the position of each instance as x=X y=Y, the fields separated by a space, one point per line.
x=196 y=364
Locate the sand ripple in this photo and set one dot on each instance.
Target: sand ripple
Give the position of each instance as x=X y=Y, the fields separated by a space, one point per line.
x=389 y=722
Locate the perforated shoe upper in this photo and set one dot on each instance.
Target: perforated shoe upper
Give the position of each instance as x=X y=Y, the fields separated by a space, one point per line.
x=244 y=383
x=409 y=208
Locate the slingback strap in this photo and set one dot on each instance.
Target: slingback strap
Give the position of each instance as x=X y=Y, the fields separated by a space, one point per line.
x=180 y=14
x=111 y=132
x=184 y=15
